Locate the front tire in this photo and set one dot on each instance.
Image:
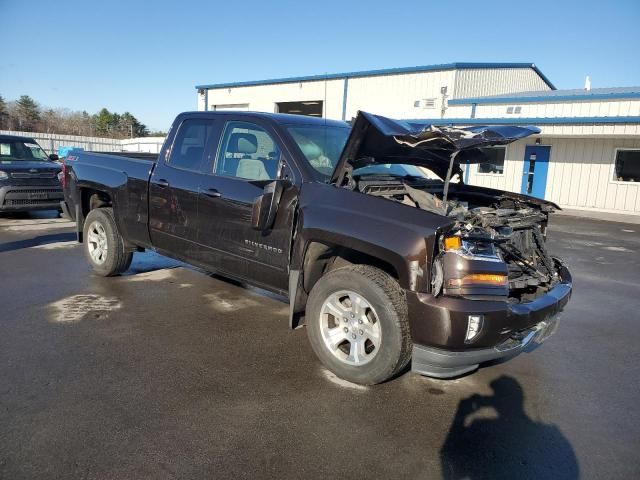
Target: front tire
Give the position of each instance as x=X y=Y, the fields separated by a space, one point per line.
x=103 y=244
x=357 y=324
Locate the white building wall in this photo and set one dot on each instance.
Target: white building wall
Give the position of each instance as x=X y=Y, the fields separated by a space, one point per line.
x=50 y=142
x=496 y=81
x=580 y=175
x=262 y=98
x=600 y=108
x=395 y=95
x=613 y=108
x=142 y=144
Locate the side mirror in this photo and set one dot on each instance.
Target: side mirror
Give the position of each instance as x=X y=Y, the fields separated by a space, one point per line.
x=54 y=157
x=265 y=207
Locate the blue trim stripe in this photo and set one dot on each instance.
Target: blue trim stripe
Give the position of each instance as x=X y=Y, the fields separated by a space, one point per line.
x=526 y=121
x=385 y=71
x=543 y=98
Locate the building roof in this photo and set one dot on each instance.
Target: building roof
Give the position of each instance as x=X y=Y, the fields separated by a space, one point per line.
x=527 y=121
x=380 y=72
x=552 y=96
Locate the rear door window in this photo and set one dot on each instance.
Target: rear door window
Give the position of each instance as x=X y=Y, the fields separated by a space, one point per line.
x=189 y=146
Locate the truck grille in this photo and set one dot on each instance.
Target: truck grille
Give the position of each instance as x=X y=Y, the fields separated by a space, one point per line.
x=33 y=175
x=32 y=197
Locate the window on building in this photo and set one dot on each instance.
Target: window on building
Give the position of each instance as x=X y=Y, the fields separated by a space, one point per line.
x=191 y=140
x=509 y=110
x=248 y=152
x=495 y=163
x=627 y=167
x=517 y=110
x=311 y=108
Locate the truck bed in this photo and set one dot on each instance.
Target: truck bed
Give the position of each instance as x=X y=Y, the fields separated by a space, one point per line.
x=124 y=176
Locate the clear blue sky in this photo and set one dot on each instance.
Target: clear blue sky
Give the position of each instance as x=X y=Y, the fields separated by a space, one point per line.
x=146 y=57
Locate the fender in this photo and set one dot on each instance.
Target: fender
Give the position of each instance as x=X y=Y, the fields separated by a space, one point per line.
x=396 y=234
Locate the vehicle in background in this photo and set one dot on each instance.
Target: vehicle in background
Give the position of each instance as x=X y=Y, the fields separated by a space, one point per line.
x=387 y=262
x=28 y=176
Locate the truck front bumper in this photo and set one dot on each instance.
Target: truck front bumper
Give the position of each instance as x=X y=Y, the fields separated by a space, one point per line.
x=439 y=327
x=30 y=197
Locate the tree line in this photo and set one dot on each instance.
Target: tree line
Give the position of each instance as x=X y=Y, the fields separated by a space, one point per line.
x=27 y=115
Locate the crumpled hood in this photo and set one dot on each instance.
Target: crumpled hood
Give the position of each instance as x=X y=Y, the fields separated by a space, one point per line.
x=379 y=140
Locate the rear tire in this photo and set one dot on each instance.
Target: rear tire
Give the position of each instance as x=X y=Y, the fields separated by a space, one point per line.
x=103 y=244
x=357 y=324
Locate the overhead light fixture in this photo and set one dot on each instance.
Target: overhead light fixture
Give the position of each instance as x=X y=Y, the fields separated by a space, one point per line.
x=310 y=103
x=295 y=111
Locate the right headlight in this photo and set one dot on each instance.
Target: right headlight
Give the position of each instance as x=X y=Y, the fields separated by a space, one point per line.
x=471 y=249
x=3 y=175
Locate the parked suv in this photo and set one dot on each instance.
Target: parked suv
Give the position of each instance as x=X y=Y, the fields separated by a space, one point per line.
x=28 y=176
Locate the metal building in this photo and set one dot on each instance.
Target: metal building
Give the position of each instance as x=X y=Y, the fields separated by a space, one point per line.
x=396 y=92
x=587 y=156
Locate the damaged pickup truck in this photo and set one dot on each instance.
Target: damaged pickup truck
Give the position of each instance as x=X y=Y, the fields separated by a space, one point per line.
x=385 y=255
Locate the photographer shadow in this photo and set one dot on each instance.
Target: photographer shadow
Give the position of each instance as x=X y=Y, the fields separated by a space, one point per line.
x=509 y=444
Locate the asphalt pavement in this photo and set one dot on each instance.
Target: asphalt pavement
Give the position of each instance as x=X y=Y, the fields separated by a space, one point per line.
x=169 y=372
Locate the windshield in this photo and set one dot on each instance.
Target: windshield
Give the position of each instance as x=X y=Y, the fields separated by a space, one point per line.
x=396 y=170
x=321 y=145
x=11 y=150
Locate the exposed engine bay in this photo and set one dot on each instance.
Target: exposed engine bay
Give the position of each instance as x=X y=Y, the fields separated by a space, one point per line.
x=490 y=226
x=496 y=244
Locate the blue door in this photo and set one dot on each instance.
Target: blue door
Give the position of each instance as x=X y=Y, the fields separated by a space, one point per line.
x=534 y=172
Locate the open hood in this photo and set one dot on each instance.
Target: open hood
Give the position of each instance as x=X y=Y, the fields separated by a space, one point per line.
x=380 y=140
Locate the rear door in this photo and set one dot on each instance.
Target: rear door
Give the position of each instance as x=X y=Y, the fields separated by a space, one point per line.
x=174 y=188
x=249 y=156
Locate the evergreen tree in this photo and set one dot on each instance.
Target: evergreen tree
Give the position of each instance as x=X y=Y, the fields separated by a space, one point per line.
x=28 y=113
x=104 y=122
x=3 y=113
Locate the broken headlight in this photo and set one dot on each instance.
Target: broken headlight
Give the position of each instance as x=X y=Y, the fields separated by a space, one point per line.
x=476 y=248
x=469 y=265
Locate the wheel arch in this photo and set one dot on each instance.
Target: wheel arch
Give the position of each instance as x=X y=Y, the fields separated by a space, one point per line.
x=320 y=256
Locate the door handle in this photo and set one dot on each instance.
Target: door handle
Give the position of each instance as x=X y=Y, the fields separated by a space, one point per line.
x=162 y=183
x=212 y=193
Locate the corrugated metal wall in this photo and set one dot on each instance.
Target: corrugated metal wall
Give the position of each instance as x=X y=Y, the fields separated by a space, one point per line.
x=580 y=173
x=395 y=95
x=496 y=81
x=50 y=142
x=611 y=108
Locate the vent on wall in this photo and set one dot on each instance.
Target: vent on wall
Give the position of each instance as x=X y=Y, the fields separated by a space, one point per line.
x=425 y=103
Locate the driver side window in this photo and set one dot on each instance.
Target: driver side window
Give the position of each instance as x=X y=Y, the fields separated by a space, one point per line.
x=247 y=151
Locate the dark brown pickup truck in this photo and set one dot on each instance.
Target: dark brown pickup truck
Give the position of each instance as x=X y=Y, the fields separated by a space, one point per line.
x=385 y=255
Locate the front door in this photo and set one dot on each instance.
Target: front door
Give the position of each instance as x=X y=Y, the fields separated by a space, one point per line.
x=174 y=189
x=534 y=173
x=248 y=158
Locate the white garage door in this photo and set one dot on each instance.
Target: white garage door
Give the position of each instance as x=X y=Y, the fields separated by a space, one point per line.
x=233 y=106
